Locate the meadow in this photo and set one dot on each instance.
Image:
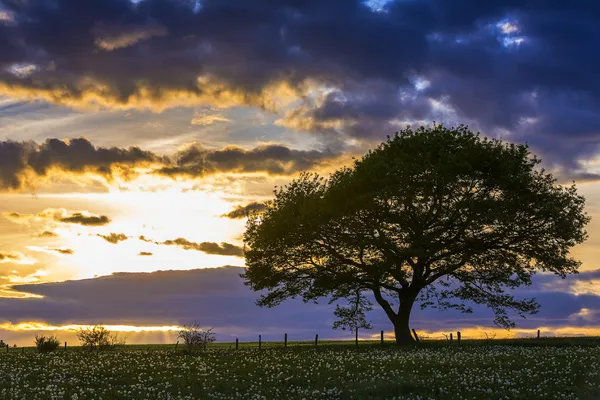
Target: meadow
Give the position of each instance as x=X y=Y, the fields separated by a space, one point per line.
x=517 y=369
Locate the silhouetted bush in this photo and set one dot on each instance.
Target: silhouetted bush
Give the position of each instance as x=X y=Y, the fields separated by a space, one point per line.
x=98 y=337
x=46 y=344
x=195 y=337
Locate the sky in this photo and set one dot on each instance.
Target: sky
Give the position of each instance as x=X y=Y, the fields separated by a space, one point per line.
x=134 y=135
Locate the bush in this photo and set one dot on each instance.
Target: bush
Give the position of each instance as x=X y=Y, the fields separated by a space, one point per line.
x=2 y=344
x=46 y=344
x=98 y=337
x=196 y=338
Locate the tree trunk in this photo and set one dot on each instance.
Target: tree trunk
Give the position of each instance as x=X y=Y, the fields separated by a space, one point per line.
x=402 y=319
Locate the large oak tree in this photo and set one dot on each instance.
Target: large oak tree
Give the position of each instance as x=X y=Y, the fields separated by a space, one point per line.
x=435 y=215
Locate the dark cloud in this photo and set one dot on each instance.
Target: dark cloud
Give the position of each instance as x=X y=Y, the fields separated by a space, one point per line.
x=81 y=219
x=243 y=211
x=523 y=67
x=21 y=163
x=114 y=238
x=46 y=234
x=223 y=249
x=63 y=251
x=218 y=297
x=273 y=159
x=60 y=215
x=20 y=160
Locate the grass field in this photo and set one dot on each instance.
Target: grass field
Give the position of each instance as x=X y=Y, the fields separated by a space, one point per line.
x=503 y=369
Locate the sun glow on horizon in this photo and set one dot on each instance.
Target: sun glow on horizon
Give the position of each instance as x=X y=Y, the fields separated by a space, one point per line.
x=42 y=326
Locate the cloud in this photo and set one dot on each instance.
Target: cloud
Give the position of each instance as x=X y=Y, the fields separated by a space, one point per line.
x=60 y=215
x=16 y=258
x=5 y=17
x=223 y=249
x=46 y=234
x=88 y=220
x=242 y=211
x=144 y=253
x=22 y=163
x=114 y=238
x=114 y=37
x=273 y=159
x=52 y=250
x=62 y=251
x=208 y=118
x=534 y=77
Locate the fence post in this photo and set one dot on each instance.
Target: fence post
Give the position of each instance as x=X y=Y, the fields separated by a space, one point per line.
x=451 y=338
x=316 y=339
x=458 y=337
x=416 y=336
x=65 y=345
x=237 y=342
x=176 y=344
x=7 y=347
x=382 y=338
x=538 y=336
x=285 y=341
x=259 y=342
x=356 y=336
x=23 y=350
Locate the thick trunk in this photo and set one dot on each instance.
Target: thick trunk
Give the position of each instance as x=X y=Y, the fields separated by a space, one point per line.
x=402 y=319
x=402 y=331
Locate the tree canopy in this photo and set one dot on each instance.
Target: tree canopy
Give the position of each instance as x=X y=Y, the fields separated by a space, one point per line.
x=439 y=216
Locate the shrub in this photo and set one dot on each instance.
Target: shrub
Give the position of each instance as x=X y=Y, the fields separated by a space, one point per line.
x=2 y=344
x=46 y=344
x=98 y=337
x=195 y=337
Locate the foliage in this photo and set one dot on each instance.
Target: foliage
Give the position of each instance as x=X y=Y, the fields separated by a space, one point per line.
x=438 y=215
x=99 y=338
x=338 y=372
x=353 y=316
x=195 y=337
x=2 y=344
x=46 y=344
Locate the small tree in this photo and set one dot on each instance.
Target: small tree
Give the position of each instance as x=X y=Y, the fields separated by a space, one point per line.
x=435 y=215
x=352 y=316
x=195 y=337
x=46 y=344
x=98 y=337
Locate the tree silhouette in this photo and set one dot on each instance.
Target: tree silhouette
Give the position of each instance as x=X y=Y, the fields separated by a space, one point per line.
x=437 y=215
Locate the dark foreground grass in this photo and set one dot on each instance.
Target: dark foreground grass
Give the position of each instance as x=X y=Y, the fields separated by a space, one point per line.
x=515 y=369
